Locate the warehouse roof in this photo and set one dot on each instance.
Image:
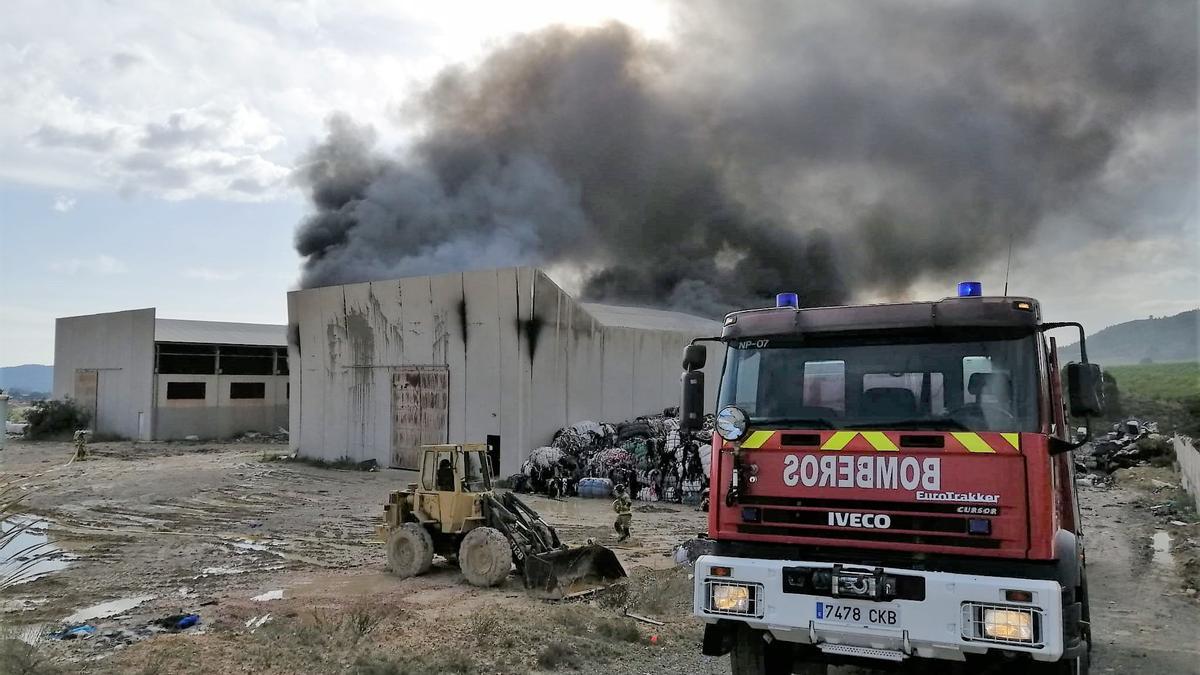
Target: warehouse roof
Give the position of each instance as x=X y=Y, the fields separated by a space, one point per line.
x=620 y=316
x=220 y=332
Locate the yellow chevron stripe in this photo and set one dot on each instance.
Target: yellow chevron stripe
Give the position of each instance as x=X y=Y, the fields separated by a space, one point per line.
x=880 y=441
x=839 y=440
x=972 y=441
x=1013 y=440
x=757 y=439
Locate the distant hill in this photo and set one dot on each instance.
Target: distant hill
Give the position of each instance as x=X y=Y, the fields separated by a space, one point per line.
x=28 y=378
x=1163 y=340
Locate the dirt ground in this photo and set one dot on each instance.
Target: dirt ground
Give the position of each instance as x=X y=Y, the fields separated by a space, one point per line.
x=280 y=561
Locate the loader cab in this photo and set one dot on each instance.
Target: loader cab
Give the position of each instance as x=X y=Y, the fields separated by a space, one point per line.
x=455 y=468
x=452 y=477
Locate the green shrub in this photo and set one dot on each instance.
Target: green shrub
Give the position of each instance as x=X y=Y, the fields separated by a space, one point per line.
x=55 y=417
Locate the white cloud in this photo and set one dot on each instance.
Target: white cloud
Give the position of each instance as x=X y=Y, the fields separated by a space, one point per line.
x=184 y=100
x=210 y=274
x=100 y=264
x=63 y=203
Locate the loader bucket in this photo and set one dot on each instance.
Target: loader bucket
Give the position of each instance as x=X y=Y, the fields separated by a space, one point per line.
x=557 y=573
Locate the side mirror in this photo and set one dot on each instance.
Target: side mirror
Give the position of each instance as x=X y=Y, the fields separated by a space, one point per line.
x=691 y=404
x=694 y=357
x=1085 y=389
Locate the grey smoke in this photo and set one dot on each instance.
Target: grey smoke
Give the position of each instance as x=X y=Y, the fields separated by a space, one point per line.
x=825 y=148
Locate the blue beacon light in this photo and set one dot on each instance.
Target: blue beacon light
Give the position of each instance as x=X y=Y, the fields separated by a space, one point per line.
x=787 y=300
x=970 y=289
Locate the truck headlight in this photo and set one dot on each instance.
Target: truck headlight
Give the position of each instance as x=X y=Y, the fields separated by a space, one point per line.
x=1007 y=624
x=731 y=423
x=726 y=598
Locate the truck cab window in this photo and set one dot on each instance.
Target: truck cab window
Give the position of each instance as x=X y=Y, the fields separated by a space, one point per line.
x=926 y=388
x=918 y=382
x=825 y=385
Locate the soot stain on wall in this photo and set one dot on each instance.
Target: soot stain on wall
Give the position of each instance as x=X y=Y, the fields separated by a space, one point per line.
x=531 y=328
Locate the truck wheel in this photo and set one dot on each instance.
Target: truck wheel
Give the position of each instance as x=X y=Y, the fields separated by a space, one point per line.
x=753 y=655
x=409 y=550
x=485 y=557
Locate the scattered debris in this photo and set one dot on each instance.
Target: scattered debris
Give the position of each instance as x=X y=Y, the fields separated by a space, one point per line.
x=686 y=553
x=72 y=632
x=176 y=622
x=1129 y=444
x=648 y=454
x=279 y=436
x=653 y=622
x=254 y=623
x=276 y=594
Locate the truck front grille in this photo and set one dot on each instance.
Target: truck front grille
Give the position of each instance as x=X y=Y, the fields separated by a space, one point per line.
x=932 y=539
x=930 y=524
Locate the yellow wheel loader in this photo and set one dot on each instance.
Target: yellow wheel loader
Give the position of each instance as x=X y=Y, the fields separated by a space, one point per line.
x=453 y=512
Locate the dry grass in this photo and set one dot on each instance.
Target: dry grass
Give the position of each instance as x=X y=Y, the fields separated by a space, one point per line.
x=20 y=658
x=557 y=655
x=619 y=630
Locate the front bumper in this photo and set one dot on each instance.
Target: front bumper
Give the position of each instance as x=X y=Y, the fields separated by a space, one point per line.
x=944 y=625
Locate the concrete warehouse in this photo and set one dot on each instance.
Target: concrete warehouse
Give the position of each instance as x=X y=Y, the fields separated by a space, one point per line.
x=502 y=356
x=146 y=378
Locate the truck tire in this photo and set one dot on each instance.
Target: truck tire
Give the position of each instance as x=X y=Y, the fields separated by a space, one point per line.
x=753 y=655
x=485 y=557
x=409 y=550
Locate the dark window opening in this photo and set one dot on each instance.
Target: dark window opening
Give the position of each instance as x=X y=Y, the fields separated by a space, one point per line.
x=247 y=390
x=238 y=360
x=186 y=390
x=493 y=445
x=281 y=361
x=184 y=359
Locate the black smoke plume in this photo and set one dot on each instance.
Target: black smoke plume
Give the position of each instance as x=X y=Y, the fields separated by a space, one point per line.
x=827 y=148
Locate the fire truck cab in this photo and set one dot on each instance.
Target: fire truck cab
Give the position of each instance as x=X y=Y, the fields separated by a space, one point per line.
x=892 y=484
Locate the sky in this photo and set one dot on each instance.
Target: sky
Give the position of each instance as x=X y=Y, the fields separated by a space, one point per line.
x=149 y=153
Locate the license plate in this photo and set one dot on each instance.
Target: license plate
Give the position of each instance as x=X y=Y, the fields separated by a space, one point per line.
x=858 y=614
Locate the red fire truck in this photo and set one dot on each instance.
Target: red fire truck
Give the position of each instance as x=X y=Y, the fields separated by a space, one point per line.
x=893 y=483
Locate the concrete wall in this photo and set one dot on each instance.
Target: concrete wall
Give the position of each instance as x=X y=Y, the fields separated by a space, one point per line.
x=524 y=360
x=1189 y=466
x=346 y=342
x=119 y=346
x=218 y=415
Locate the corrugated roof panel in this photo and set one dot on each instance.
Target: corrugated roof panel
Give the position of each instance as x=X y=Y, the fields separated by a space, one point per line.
x=220 y=332
x=620 y=316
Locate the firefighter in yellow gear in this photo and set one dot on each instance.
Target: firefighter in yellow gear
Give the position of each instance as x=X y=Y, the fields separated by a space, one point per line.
x=623 y=505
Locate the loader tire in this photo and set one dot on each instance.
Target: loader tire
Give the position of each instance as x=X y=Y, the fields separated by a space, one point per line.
x=485 y=557
x=409 y=550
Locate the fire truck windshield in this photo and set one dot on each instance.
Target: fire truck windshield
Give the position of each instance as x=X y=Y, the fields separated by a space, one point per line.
x=983 y=385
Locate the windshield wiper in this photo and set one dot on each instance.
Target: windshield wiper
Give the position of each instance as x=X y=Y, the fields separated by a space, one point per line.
x=926 y=423
x=803 y=422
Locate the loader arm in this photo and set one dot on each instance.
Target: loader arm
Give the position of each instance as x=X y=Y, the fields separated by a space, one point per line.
x=548 y=567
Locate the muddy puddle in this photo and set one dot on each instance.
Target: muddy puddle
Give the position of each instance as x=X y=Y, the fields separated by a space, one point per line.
x=107 y=609
x=1160 y=549
x=30 y=554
